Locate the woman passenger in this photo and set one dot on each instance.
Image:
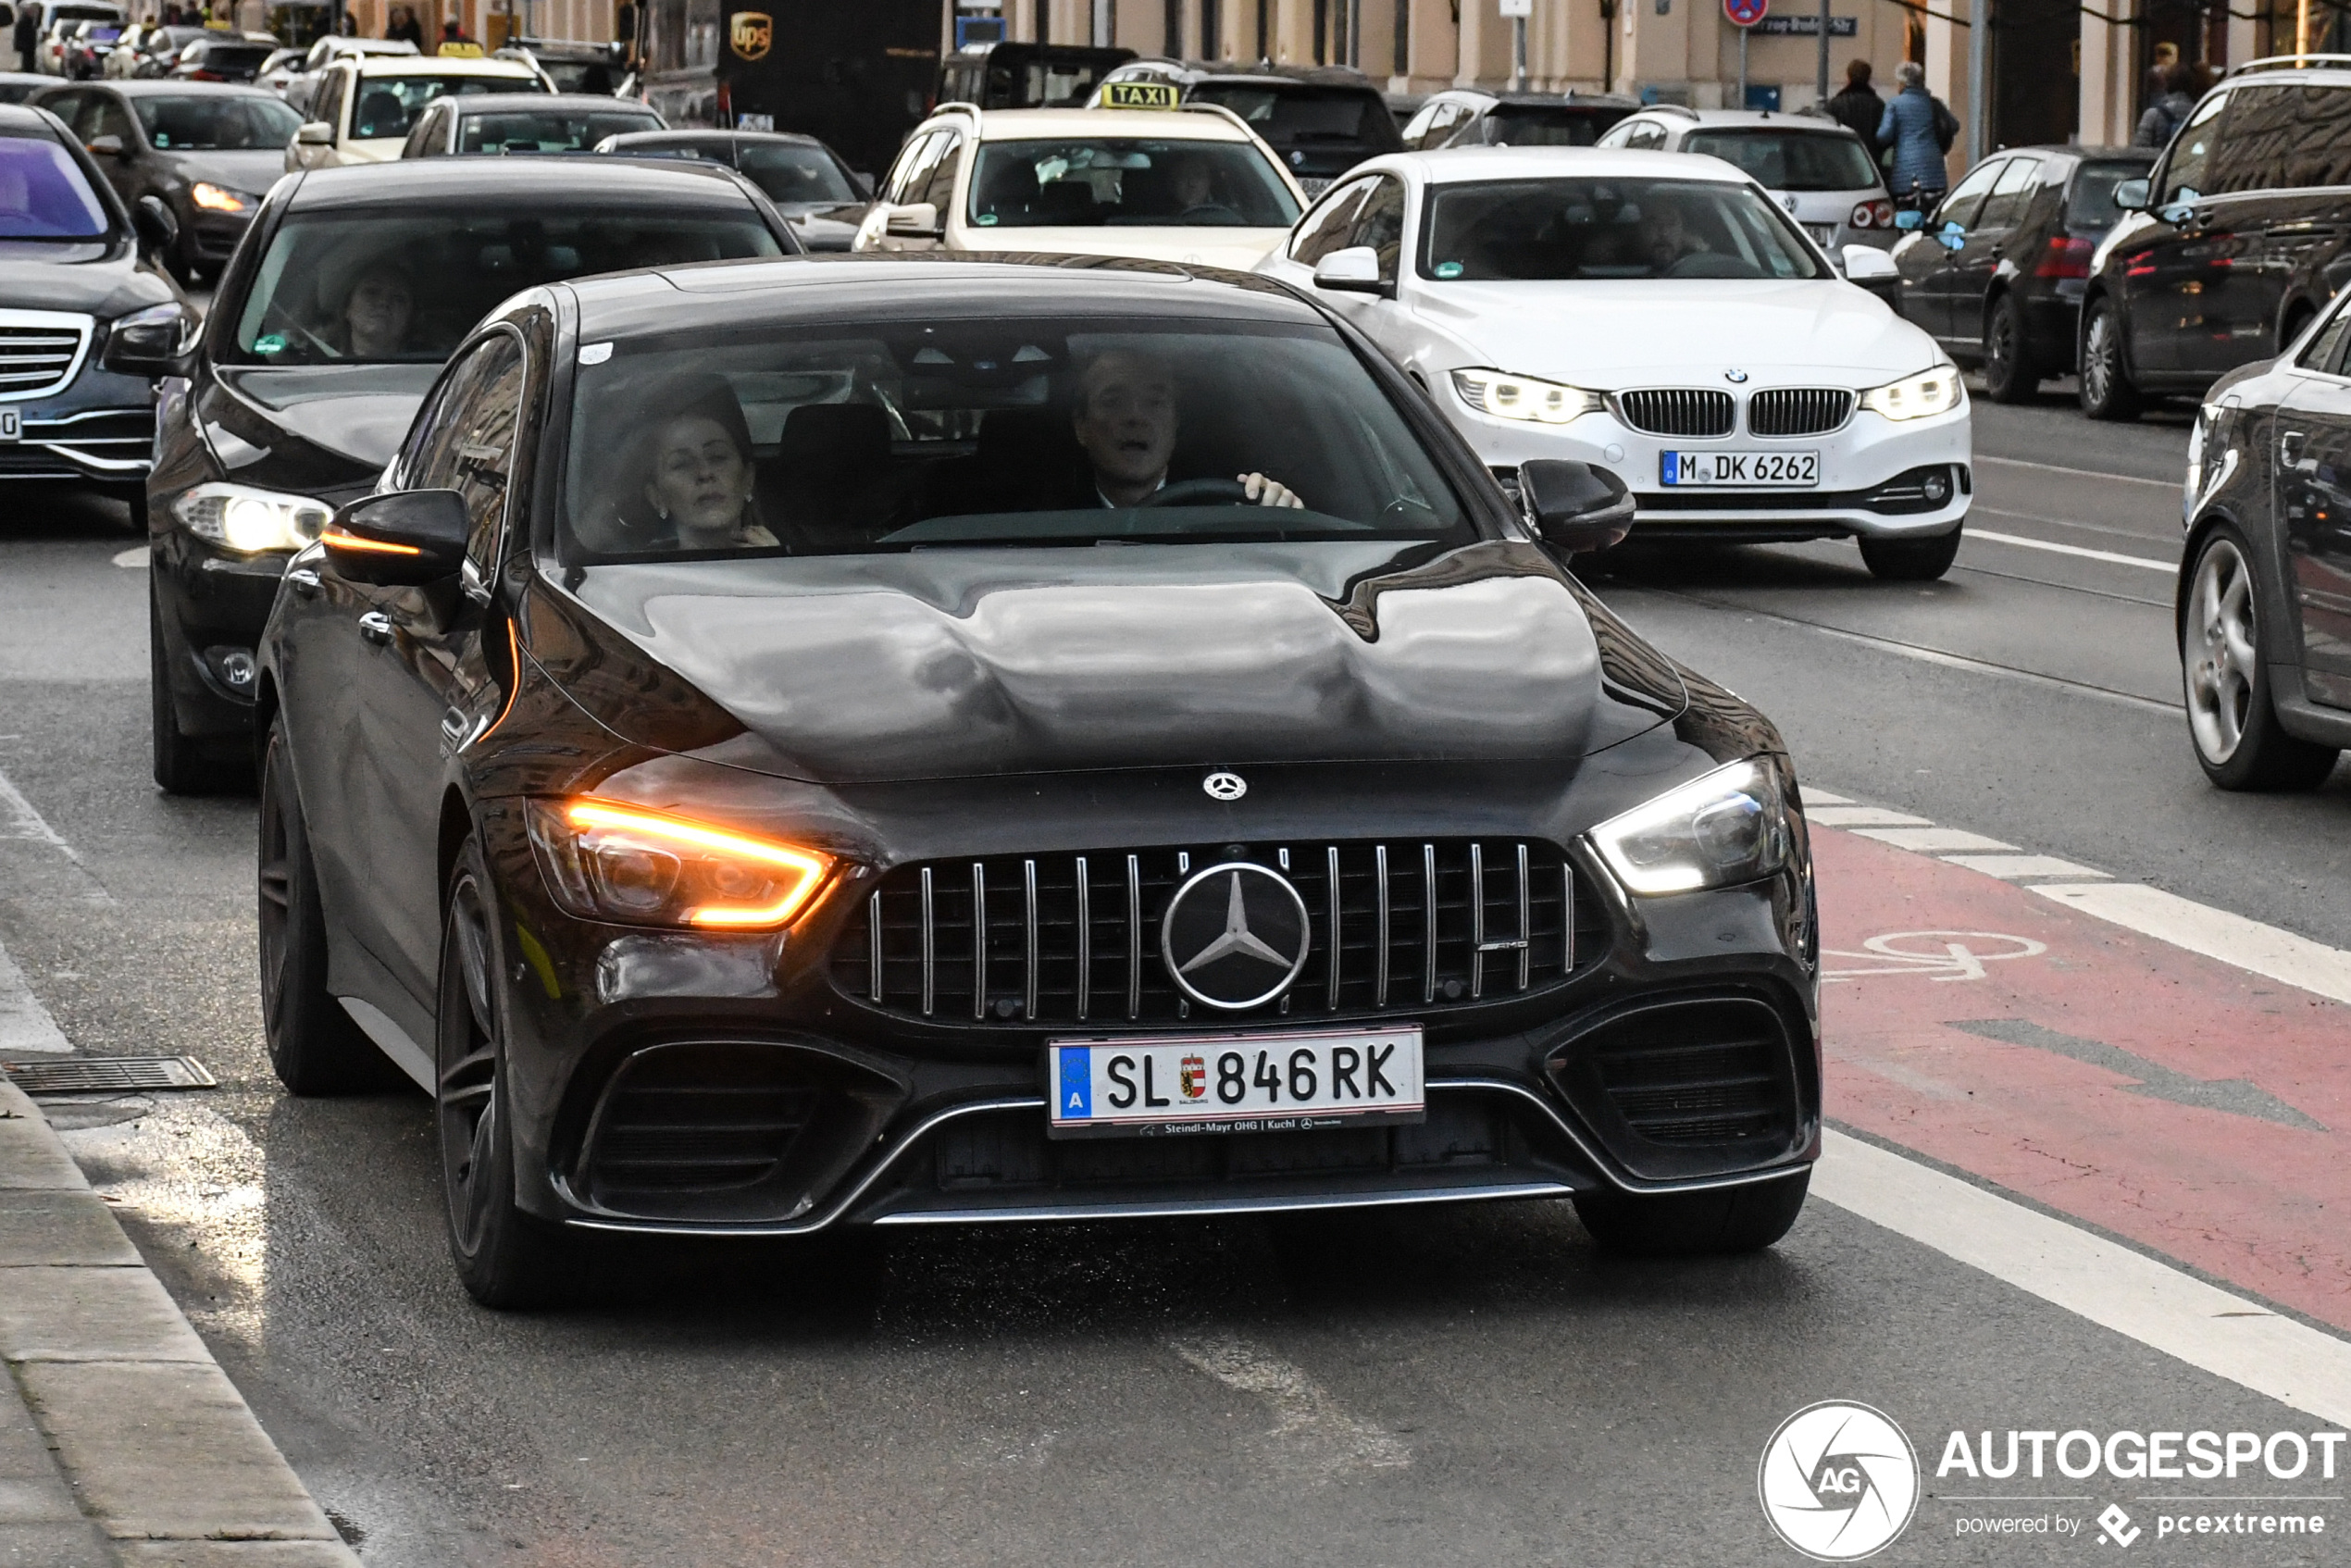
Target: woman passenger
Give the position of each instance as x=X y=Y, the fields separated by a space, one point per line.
x=699 y=472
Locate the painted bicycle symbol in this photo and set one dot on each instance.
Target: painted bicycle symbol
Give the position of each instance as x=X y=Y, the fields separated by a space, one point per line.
x=1939 y=955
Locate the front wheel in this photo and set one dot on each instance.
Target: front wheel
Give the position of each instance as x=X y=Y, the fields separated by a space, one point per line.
x=182 y=765
x=1723 y=1219
x=2106 y=389
x=1910 y=560
x=2232 y=721
x=2012 y=374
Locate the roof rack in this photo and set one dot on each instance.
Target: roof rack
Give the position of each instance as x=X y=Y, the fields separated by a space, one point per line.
x=2287 y=62
x=1670 y=109
x=957 y=104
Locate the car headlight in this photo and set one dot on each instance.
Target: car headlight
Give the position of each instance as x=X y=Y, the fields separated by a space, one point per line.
x=627 y=866
x=247 y=519
x=1724 y=828
x=1523 y=397
x=216 y=198
x=1917 y=397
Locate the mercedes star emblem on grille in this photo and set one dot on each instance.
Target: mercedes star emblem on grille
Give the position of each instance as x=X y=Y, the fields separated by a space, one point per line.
x=1225 y=786
x=1235 y=935
x=1734 y=376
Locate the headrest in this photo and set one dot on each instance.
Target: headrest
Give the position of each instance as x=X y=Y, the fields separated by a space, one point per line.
x=835 y=435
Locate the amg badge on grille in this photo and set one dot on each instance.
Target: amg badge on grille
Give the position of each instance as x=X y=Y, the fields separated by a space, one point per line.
x=1234 y=935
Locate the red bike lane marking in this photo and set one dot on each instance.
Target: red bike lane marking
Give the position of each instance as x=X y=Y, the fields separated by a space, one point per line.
x=2258 y=1195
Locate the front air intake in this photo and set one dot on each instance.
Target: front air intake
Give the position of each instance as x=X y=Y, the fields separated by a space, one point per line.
x=1687 y=1084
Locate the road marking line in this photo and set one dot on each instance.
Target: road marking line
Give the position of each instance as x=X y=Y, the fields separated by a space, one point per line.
x=1931 y=840
x=25 y=1024
x=2215 y=933
x=2022 y=867
x=1822 y=798
x=1865 y=817
x=1303 y=1410
x=2099 y=1280
x=19 y=821
x=2170 y=485
x=2168 y=569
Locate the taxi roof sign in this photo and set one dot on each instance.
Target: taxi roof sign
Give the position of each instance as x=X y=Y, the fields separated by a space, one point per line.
x=1139 y=96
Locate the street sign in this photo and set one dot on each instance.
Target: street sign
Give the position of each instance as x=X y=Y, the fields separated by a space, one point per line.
x=1518 y=7
x=1743 y=13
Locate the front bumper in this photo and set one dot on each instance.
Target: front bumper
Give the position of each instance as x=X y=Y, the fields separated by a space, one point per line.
x=213 y=236
x=101 y=426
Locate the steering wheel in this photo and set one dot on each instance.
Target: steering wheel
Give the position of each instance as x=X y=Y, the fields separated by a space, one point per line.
x=1208 y=212
x=1199 y=492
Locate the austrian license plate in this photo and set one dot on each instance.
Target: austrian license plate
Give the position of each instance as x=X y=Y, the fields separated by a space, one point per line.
x=1170 y=1085
x=12 y=424
x=1750 y=471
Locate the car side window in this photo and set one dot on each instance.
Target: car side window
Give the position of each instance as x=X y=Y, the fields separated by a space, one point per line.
x=2325 y=353
x=328 y=104
x=1646 y=137
x=108 y=118
x=911 y=168
x=2263 y=127
x=2187 y=168
x=1441 y=126
x=469 y=446
x=1380 y=224
x=2319 y=153
x=67 y=106
x=1326 y=227
x=940 y=188
x=1967 y=198
x=2005 y=206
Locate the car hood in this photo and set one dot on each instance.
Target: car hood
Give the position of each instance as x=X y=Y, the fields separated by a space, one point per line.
x=1237 y=249
x=249 y=171
x=357 y=413
x=1618 y=334
x=86 y=279
x=948 y=664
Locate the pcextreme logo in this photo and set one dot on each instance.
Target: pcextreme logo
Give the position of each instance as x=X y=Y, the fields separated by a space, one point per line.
x=1838 y=1481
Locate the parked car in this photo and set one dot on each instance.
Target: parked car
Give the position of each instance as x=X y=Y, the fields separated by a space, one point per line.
x=1816 y=168
x=222 y=57
x=592 y=68
x=1997 y=271
x=2241 y=237
x=327 y=330
x=207 y=151
x=85 y=46
x=2263 y=611
x=93 y=316
x=366 y=104
x=1659 y=315
x=55 y=19
x=1471 y=117
x=301 y=86
x=1321 y=121
x=1010 y=75
x=818 y=195
x=471 y=125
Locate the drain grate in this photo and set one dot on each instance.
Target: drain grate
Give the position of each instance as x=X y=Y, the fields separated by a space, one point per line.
x=108 y=1074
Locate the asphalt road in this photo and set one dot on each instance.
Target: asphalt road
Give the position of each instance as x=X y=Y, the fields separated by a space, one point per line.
x=1470 y=1384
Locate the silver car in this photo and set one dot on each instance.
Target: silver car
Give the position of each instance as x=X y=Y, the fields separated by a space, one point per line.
x=1816 y=168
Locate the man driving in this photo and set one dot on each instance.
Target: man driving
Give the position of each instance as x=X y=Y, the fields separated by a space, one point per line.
x=1126 y=417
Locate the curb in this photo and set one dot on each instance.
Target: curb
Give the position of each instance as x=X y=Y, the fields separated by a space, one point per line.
x=155 y=1446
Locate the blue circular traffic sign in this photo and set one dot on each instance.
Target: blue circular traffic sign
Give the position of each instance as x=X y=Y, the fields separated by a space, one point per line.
x=1743 y=13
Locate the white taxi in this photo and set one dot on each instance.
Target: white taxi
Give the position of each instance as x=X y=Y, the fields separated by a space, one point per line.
x=365 y=105
x=1135 y=175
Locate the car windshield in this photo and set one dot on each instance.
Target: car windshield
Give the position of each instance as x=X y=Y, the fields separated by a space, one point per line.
x=1791 y=160
x=408 y=284
x=43 y=194
x=1163 y=184
x=183 y=125
x=1287 y=116
x=1609 y=229
x=795 y=176
x=2091 y=209
x=1543 y=125
x=910 y=434
x=389 y=105
x=547 y=131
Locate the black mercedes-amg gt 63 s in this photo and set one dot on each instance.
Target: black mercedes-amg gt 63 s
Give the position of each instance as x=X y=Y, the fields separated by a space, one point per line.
x=847 y=741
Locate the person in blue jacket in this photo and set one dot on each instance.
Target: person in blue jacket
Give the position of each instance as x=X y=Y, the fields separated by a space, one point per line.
x=1920 y=130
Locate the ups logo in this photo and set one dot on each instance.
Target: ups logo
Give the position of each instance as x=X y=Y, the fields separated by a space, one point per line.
x=752 y=33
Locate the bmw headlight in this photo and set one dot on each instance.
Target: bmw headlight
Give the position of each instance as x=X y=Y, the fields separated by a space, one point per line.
x=1523 y=397
x=1917 y=397
x=244 y=518
x=1725 y=828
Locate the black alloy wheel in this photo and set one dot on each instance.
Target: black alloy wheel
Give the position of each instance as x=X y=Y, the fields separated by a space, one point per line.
x=314 y=1046
x=2012 y=374
x=2107 y=391
x=2232 y=720
x=1720 y=1219
x=504 y=1257
x=182 y=765
x=1910 y=560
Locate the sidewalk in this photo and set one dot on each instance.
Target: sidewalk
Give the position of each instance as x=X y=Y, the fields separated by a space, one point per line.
x=121 y=1442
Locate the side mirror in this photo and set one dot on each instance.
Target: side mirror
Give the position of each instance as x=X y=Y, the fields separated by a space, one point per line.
x=106 y=148
x=1575 y=506
x=915 y=220
x=314 y=133
x=1909 y=221
x=151 y=343
x=159 y=230
x=403 y=538
x=1865 y=262
x=1354 y=270
x=2133 y=196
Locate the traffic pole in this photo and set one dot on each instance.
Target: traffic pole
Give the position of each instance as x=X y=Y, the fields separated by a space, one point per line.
x=1822 y=73
x=1744 y=15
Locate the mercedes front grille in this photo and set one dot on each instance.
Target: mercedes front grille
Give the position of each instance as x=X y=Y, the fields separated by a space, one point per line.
x=40 y=351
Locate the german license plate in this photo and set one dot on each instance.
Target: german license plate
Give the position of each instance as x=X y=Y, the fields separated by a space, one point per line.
x=12 y=424
x=1296 y=1080
x=1824 y=235
x=1748 y=470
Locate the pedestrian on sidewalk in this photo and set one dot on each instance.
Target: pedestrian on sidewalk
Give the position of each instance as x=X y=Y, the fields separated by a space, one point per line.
x=1920 y=128
x=2168 y=113
x=27 y=34
x=1858 y=108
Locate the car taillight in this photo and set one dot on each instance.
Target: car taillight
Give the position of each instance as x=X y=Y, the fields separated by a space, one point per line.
x=1885 y=211
x=2068 y=257
x=1864 y=217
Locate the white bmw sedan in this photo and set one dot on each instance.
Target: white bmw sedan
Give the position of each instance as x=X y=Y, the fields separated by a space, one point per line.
x=1658 y=315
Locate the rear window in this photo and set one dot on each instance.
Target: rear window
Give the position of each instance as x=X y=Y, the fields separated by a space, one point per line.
x=1288 y=117
x=182 y=125
x=551 y=131
x=2091 y=209
x=1163 y=184
x=1544 y=125
x=801 y=176
x=408 y=285
x=43 y=194
x=1791 y=160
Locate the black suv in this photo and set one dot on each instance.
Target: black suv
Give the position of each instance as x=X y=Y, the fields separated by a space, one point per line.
x=1471 y=117
x=2234 y=245
x=1320 y=120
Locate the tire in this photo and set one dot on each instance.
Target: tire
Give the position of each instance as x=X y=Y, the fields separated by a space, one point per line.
x=314 y=1046
x=183 y=765
x=2012 y=371
x=2232 y=721
x=2107 y=391
x=1910 y=560
x=504 y=1257
x=1725 y=1219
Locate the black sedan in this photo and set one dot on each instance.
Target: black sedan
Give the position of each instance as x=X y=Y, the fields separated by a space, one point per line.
x=857 y=741
x=222 y=57
x=494 y=123
x=325 y=333
x=91 y=315
x=2264 y=606
x=810 y=186
x=206 y=151
x=1997 y=271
